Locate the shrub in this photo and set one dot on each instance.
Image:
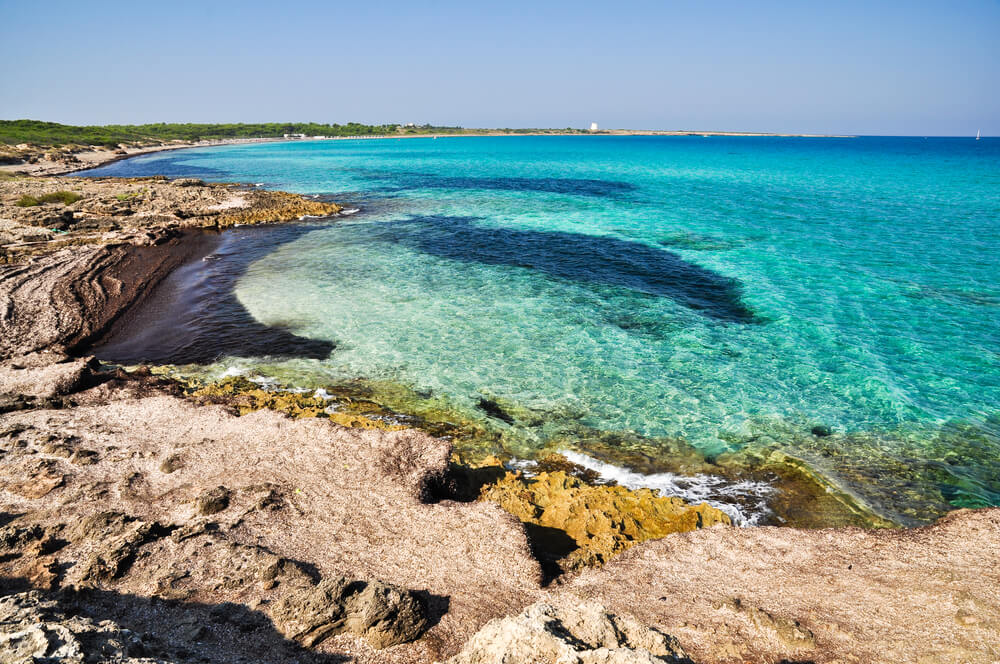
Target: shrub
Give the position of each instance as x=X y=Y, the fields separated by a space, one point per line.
x=64 y=197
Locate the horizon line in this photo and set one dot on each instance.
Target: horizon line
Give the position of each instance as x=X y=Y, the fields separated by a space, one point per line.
x=584 y=130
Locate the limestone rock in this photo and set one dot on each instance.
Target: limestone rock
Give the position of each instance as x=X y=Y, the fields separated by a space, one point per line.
x=212 y=501
x=172 y=463
x=20 y=537
x=48 y=216
x=84 y=457
x=383 y=614
x=43 y=477
x=119 y=538
x=556 y=634
x=46 y=375
x=33 y=629
x=788 y=631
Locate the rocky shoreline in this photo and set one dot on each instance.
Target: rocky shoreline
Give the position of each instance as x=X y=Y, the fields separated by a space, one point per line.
x=46 y=160
x=142 y=521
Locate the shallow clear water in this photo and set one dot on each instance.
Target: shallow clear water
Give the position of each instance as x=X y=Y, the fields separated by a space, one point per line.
x=730 y=292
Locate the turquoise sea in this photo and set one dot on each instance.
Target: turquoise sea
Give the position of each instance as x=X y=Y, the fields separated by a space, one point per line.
x=833 y=299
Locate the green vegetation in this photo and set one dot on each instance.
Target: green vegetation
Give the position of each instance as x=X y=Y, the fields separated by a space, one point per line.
x=14 y=132
x=64 y=197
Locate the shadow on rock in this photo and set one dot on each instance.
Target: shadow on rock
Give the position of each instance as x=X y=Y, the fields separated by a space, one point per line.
x=549 y=546
x=102 y=625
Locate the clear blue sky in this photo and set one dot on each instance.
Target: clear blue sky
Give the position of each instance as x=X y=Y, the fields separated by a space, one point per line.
x=926 y=68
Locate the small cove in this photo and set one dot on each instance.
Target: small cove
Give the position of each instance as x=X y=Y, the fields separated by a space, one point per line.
x=619 y=295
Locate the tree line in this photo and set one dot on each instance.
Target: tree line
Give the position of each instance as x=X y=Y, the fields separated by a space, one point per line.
x=13 y=132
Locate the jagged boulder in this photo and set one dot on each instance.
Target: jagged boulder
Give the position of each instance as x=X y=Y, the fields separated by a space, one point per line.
x=212 y=501
x=381 y=613
x=118 y=538
x=562 y=634
x=34 y=629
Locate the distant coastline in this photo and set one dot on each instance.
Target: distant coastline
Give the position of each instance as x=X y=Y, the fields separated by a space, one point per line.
x=57 y=149
x=599 y=132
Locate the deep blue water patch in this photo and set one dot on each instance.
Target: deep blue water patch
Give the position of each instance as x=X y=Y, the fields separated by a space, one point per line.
x=403 y=181
x=577 y=257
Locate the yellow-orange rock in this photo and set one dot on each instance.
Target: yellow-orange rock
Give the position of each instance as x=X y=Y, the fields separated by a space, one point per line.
x=600 y=520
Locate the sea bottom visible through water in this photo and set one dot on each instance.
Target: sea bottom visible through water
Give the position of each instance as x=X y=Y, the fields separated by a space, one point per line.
x=769 y=325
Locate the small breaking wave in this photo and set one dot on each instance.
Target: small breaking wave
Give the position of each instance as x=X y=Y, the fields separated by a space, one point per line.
x=349 y=211
x=265 y=382
x=745 y=502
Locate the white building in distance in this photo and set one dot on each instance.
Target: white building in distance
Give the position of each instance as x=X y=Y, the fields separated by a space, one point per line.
x=593 y=126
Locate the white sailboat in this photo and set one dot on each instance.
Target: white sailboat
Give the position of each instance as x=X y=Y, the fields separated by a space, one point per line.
x=978 y=131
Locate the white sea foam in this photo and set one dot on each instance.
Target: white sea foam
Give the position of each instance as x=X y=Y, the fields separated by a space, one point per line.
x=526 y=466
x=265 y=382
x=349 y=211
x=232 y=371
x=745 y=502
x=323 y=394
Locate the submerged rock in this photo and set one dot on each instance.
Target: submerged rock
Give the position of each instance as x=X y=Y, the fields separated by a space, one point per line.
x=553 y=634
x=494 y=409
